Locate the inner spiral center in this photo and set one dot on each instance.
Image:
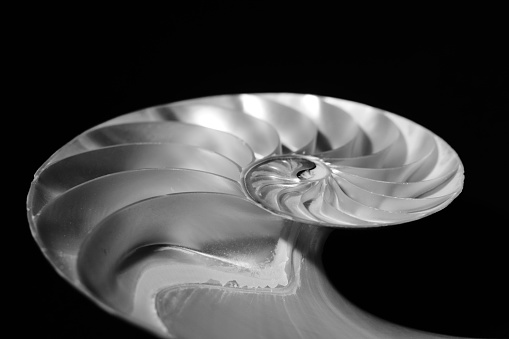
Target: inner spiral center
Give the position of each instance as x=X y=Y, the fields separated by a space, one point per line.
x=318 y=171
x=280 y=183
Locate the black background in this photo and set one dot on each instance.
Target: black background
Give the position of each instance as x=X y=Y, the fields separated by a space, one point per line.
x=445 y=273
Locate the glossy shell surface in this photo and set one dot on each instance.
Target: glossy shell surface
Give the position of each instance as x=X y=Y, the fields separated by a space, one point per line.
x=207 y=216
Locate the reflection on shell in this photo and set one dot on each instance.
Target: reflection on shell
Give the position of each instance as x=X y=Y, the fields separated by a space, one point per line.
x=204 y=217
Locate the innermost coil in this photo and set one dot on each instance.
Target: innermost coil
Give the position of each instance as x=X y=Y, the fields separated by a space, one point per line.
x=278 y=181
x=318 y=172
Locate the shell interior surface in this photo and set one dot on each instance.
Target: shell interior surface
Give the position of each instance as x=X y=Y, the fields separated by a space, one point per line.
x=204 y=217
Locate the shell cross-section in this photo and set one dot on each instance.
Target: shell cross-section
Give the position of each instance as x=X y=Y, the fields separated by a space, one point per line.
x=192 y=219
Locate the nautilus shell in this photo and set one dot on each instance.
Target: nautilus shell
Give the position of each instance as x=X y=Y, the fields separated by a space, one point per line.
x=205 y=218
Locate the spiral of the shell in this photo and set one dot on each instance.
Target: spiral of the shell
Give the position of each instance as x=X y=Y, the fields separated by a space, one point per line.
x=196 y=217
